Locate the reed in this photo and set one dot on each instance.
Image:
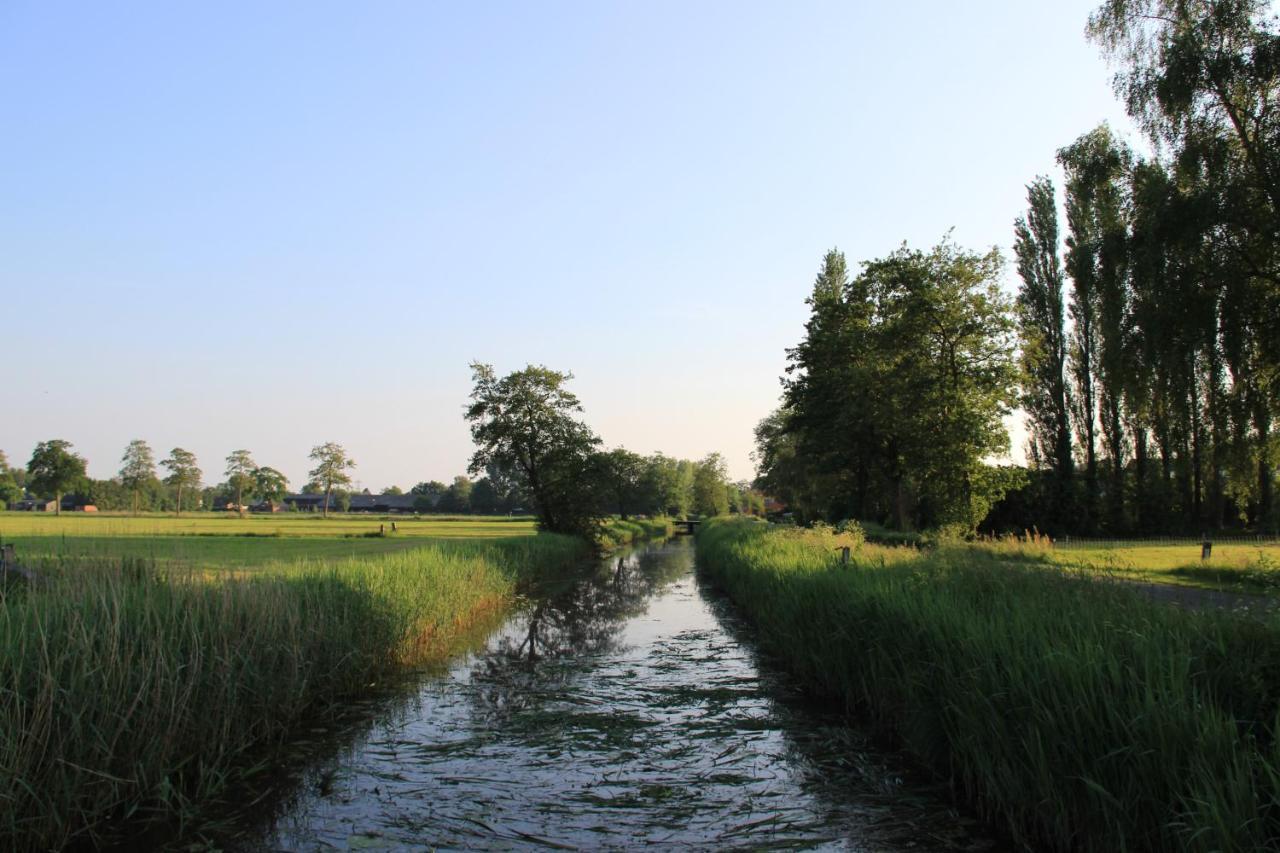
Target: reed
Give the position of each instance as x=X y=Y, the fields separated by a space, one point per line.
x=1065 y=707
x=131 y=691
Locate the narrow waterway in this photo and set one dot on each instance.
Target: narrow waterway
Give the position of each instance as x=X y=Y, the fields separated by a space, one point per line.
x=623 y=708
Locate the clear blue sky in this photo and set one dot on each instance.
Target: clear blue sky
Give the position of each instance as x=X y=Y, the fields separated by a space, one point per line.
x=270 y=225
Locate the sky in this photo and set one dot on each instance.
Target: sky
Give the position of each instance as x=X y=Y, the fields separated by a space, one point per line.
x=272 y=225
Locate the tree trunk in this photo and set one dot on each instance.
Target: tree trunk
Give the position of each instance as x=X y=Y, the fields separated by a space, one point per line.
x=328 y=490
x=179 y=500
x=240 y=501
x=57 y=503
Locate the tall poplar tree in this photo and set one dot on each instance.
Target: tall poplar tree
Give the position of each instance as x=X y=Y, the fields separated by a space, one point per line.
x=1046 y=395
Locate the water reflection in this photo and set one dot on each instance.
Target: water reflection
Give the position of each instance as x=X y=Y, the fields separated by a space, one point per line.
x=619 y=709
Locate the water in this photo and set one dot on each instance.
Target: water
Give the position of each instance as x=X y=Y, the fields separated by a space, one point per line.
x=625 y=708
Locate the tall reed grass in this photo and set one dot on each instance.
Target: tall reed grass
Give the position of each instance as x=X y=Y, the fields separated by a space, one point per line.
x=1071 y=710
x=131 y=692
x=616 y=532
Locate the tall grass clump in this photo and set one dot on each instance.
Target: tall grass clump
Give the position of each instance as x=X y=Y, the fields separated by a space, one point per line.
x=616 y=532
x=1071 y=710
x=129 y=692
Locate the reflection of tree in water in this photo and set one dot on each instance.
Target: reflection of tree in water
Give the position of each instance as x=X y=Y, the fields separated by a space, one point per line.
x=571 y=621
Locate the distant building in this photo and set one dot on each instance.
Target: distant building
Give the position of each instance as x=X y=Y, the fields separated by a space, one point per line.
x=34 y=504
x=76 y=503
x=383 y=504
x=308 y=503
x=268 y=507
x=378 y=504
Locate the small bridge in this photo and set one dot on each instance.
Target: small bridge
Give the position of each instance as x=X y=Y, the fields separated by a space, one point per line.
x=687 y=527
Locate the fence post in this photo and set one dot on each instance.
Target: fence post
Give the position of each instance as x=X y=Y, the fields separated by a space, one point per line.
x=844 y=555
x=1206 y=547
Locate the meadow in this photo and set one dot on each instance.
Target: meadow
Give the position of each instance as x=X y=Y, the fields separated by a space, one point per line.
x=154 y=664
x=1073 y=711
x=1251 y=566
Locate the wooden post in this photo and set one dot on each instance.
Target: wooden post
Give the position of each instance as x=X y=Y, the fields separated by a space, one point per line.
x=1206 y=548
x=844 y=555
x=382 y=530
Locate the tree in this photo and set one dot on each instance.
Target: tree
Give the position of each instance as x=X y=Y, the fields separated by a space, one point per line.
x=392 y=490
x=269 y=484
x=484 y=497
x=429 y=494
x=240 y=471
x=1203 y=81
x=524 y=424
x=710 y=486
x=184 y=472
x=138 y=468
x=54 y=470
x=1042 y=332
x=10 y=491
x=457 y=498
x=621 y=478
x=332 y=465
x=895 y=396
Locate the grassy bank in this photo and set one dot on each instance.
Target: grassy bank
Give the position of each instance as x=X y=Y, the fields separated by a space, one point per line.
x=132 y=691
x=1072 y=711
x=616 y=532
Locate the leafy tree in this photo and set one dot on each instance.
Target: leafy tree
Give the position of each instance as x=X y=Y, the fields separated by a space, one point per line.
x=240 y=471
x=184 y=472
x=392 y=490
x=621 y=475
x=10 y=491
x=269 y=484
x=666 y=486
x=1042 y=332
x=431 y=489
x=485 y=499
x=457 y=498
x=332 y=467
x=524 y=424
x=710 y=486
x=54 y=470
x=896 y=394
x=138 y=468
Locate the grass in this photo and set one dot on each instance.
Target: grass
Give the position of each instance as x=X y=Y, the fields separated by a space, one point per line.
x=1250 y=568
x=1075 y=713
x=158 y=657
x=616 y=532
x=18 y=525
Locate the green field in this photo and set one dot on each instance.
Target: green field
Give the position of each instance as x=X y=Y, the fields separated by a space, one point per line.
x=221 y=541
x=1236 y=567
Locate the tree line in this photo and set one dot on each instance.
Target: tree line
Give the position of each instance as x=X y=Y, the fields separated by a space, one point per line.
x=596 y=482
x=1143 y=343
x=527 y=429
x=1153 y=408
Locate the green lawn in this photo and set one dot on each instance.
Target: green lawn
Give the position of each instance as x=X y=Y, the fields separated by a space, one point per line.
x=1234 y=567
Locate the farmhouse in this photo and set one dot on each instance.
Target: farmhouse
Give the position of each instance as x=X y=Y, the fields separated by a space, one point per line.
x=383 y=503
x=308 y=503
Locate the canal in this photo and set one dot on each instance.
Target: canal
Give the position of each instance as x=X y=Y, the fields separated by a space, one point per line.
x=624 y=707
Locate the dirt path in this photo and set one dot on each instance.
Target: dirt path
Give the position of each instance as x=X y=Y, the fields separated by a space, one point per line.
x=1199 y=599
